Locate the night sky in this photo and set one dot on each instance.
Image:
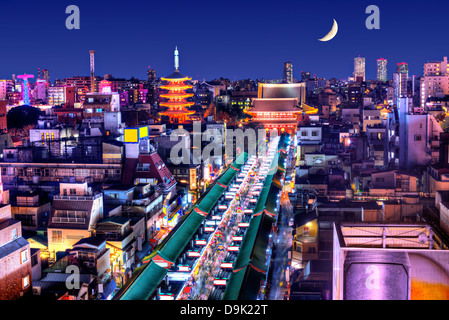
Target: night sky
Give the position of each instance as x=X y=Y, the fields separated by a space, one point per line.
x=218 y=38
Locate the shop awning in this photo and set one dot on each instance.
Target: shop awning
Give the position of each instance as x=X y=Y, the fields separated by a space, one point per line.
x=108 y=289
x=149 y=279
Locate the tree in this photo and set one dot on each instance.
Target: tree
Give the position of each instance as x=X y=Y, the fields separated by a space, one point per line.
x=210 y=111
x=445 y=124
x=22 y=116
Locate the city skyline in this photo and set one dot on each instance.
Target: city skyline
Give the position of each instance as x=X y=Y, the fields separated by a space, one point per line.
x=220 y=45
x=319 y=172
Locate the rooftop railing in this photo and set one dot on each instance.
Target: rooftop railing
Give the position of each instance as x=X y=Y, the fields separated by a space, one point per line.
x=78 y=198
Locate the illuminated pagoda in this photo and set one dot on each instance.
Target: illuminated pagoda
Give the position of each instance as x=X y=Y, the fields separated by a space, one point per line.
x=176 y=95
x=280 y=106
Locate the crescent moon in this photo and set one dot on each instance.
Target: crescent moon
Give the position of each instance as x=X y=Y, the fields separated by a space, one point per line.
x=332 y=33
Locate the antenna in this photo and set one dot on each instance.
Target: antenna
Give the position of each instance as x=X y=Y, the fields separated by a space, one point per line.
x=176 y=58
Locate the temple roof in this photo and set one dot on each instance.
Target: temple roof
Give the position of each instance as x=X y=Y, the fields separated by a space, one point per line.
x=308 y=109
x=176 y=76
x=176 y=104
x=177 y=95
x=275 y=105
x=175 y=112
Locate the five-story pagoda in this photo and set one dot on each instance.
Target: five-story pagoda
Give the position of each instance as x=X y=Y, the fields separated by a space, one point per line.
x=176 y=95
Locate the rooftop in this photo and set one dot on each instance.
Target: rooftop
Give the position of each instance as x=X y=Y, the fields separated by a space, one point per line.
x=389 y=236
x=12 y=246
x=93 y=241
x=115 y=219
x=8 y=222
x=120 y=187
x=324 y=203
x=176 y=76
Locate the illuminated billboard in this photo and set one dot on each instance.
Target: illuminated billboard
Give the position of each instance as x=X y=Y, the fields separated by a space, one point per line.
x=143 y=132
x=134 y=135
x=131 y=135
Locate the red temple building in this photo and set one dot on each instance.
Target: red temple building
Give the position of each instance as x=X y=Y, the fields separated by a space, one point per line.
x=177 y=95
x=280 y=106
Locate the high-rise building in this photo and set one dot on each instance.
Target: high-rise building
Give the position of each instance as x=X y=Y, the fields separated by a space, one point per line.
x=400 y=82
x=305 y=76
x=402 y=68
x=61 y=95
x=288 y=72
x=151 y=75
x=382 y=74
x=152 y=86
x=419 y=140
x=435 y=80
x=359 y=69
x=45 y=75
x=40 y=90
x=315 y=83
x=81 y=84
x=6 y=86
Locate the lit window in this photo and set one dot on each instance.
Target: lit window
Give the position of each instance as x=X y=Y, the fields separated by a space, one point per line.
x=26 y=281
x=24 y=256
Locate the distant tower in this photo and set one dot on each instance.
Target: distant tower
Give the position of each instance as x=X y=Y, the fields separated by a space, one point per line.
x=26 y=89
x=382 y=74
x=92 y=71
x=152 y=87
x=151 y=75
x=288 y=72
x=176 y=58
x=400 y=82
x=46 y=75
x=359 y=69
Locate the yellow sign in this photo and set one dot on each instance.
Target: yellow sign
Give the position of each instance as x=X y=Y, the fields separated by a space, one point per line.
x=143 y=132
x=131 y=136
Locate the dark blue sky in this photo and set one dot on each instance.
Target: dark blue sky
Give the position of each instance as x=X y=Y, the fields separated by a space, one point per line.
x=234 y=38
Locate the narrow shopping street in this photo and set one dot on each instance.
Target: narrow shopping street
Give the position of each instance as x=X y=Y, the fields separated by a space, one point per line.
x=209 y=264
